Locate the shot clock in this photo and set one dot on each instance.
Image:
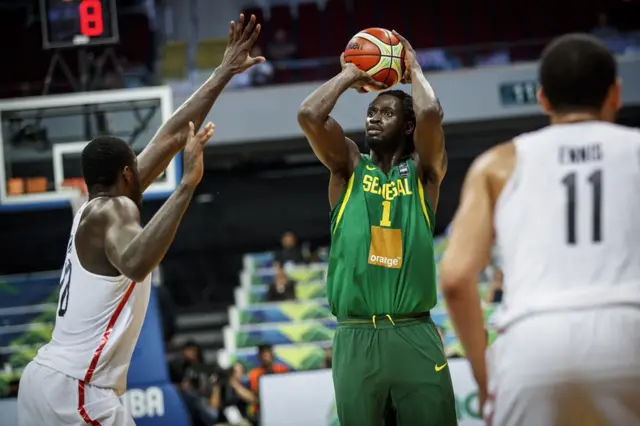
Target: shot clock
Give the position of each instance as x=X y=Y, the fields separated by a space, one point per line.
x=75 y=23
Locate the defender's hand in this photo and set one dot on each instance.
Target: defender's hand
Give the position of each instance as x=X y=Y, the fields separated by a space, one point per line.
x=242 y=37
x=410 y=58
x=192 y=157
x=360 y=78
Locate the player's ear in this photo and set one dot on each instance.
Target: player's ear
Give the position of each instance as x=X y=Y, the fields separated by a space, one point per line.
x=543 y=101
x=614 y=98
x=409 y=127
x=127 y=174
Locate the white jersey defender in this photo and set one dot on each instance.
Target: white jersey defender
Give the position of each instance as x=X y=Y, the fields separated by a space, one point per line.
x=77 y=377
x=568 y=227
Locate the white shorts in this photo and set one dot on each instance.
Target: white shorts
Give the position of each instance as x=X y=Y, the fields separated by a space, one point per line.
x=48 y=397
x=580 y=367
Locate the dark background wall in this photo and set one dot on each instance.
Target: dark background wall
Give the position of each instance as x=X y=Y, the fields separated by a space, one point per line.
x=249 y=196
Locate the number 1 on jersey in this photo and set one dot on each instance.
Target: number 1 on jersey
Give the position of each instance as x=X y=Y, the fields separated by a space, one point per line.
x=570 y=181
x=386 y=214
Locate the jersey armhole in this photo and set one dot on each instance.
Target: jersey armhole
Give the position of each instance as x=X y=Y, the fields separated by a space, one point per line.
x=338 y=210
x=427 y=210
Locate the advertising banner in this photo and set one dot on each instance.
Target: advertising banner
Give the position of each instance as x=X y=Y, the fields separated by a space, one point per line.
x=306 y=398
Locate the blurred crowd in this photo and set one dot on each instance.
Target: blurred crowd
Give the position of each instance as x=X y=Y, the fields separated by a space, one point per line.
x=229 y=396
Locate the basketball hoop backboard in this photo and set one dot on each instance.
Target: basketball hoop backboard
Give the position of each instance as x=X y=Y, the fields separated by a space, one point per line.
x=41 y=140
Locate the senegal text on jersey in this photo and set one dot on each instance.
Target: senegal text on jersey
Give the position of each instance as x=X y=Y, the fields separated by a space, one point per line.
x=389 y=190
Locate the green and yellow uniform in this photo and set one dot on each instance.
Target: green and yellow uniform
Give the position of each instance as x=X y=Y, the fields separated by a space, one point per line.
x=381 y=285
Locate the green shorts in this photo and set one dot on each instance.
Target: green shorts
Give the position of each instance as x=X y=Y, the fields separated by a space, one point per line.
x=392 y=366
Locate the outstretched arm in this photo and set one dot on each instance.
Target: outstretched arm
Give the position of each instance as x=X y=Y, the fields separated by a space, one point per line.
x=469 y=251
x=325 y=134
x=172 y=136
x=428 y=135
x=135 y=251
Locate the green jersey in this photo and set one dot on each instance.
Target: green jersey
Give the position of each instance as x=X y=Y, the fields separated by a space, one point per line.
x=381 y=260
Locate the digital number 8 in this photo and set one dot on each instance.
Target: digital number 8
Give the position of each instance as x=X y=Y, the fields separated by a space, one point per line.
x=91 y=24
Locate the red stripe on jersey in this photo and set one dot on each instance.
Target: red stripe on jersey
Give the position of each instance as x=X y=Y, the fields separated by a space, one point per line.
x=96 y=356
x=83 y=413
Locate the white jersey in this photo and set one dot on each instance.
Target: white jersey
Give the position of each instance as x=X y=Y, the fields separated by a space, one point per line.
x=98 y=321
x=567 y=222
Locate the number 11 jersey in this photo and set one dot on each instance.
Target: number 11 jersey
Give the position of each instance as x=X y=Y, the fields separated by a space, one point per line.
x=568 y=220
x=98 y=321
x=381 y=260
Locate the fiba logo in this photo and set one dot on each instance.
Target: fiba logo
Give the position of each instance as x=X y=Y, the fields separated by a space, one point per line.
x=144 y=402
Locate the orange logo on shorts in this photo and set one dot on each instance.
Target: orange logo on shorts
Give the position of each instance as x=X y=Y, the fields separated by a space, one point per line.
x=386 y=247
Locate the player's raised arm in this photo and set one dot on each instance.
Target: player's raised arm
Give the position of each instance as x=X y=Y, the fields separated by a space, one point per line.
x=325 y=135
x=172 y=136
x=428 y=135
x=469 y=251
x=135 y=251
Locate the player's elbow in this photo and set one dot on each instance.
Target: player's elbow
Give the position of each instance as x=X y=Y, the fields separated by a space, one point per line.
x=307 y=116
x=428 y=114
x=135 y=271
x=138 y=277
x=454 y=281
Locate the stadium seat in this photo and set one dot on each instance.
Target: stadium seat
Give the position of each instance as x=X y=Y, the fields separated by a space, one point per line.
x=173 y=63
x=366 y=15
x=337 y=17
x=209 y=52
x=301 y=329
x=423 y=25
x=310 y=28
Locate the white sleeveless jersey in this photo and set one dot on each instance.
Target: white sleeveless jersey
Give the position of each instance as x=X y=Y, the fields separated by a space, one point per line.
x=568 y=220
x=98 y=321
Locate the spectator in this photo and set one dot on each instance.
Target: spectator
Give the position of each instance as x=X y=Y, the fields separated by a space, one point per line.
x=231 y=398
x=281 y=47
x=168 y=317
x=267 y=366
x=195 y=382
x=603 y=29
x=494 y=295
x=283 y=288
x=257 y=75
x=11 y=391
x=328 y=358
x=290 y=253
x=260 y=74
x=314 y=254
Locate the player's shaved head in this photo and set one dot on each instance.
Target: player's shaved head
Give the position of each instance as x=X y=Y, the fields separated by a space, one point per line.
x=104 y=160
x=576 y=73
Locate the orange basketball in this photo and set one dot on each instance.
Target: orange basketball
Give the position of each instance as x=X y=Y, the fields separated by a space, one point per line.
x=377 y=52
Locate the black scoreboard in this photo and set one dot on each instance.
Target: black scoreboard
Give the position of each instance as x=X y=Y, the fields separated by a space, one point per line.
x=73 y=23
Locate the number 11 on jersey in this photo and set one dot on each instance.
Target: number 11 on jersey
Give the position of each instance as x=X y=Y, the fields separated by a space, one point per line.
x=571 y=182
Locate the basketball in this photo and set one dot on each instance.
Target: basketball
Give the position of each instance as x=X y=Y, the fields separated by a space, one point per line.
x=379 y=53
